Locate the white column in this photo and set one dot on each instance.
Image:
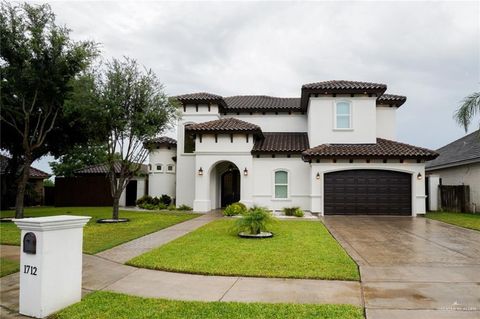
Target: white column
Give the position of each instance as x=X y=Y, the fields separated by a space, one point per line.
x=433 y=198
x=50 y=263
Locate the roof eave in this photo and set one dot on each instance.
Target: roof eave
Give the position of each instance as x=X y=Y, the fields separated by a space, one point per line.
x=453 y=164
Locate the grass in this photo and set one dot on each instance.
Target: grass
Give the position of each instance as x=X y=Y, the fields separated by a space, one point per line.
x=99 y=237
x=299 y=249
x=8 y=266
x=112 y=305
x=467 y=220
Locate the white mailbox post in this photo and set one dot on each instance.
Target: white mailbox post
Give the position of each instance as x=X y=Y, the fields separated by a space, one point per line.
x=50 y=263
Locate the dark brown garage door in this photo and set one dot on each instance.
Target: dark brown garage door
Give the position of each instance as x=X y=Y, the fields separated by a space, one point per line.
x=367 y=192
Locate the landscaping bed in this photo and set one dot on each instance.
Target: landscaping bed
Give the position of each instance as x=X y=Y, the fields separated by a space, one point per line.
x=113 y=305
x=466 y=220
x=98 y=237
x=298 y=249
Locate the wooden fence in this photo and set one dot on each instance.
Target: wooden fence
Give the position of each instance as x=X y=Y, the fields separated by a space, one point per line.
x=455 y=198
x=83 y=191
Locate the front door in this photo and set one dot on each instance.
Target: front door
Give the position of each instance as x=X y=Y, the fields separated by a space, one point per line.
x=230 y=184
x=131 y=193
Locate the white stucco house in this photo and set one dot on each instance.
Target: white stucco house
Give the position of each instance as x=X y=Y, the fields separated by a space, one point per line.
x=330 y=151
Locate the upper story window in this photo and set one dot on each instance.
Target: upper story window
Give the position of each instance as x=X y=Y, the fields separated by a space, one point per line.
x=159 y=167
x=281 y=184
x=170 y=168
x=188 y=142
x=343 y=115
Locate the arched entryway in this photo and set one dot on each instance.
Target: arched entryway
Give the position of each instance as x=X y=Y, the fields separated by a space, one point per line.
x=226 y=176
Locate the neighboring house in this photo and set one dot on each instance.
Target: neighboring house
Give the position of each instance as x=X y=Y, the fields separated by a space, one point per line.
x=91 y=187
x=459 y=164
x=34 y=193
x=330 y=151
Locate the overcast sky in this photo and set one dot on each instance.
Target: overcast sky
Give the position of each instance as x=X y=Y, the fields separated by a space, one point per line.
x=428 y=51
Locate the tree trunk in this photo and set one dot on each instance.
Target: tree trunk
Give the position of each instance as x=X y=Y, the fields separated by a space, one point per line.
x=22 y=184
x=116 y=204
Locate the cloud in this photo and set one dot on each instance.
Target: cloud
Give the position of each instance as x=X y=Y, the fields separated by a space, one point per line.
x=428 y=51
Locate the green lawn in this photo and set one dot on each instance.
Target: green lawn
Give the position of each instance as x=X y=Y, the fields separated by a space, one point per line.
x=8 y=266
x=99 y=237
x=466 y=220
x=299 y=249
x=112 y=305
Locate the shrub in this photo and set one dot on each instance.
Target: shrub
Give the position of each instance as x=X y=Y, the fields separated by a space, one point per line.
x=165 y=199
x=144 y=200
x=235 y=209
x=162 y=206
x=254 y=221
x=171 y=207
x=298 y=213
x=184 y=207
x=155 y=201
x=293 y=211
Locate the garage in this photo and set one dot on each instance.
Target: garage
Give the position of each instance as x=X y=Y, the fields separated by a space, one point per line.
x=367 y=192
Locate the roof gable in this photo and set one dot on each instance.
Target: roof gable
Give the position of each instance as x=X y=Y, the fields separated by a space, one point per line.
x=464 y=149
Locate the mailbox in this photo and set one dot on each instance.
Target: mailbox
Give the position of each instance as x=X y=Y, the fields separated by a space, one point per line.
x=50 y=263
x=30 y=243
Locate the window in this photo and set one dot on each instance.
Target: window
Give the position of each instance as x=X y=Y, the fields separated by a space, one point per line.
x=159 y=167
x=281 y=184
x=188 y=142
x=343 y=115
x=170 y=168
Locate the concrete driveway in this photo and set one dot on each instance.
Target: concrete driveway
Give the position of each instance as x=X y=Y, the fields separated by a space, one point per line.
x=413 y=267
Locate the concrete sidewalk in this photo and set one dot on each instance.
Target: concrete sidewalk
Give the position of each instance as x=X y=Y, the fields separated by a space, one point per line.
x=124 y=252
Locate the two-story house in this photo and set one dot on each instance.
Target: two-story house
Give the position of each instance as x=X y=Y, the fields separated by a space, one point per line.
x=331 y=151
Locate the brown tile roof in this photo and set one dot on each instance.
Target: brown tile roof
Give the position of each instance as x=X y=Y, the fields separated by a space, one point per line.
x=391 y=99
x=261 y=103
x=225 y=125
x=342 y=86
x=281 y=142
x=339 y=87
x=103 y=169
x=199 y=96
x=382 y=149
x=161 y=140
x=34 y=172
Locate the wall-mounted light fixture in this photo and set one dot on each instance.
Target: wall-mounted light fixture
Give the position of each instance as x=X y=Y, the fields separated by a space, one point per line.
x=200 y=171
x=245 y=171
x=419 y=176
x=317 y=176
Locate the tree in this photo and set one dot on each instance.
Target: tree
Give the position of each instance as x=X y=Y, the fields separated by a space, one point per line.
x=39 y=66
x=136 y=110
x=79 y=157
x=467 y=111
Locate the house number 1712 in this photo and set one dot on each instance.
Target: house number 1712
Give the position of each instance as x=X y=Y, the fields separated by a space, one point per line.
x=31 y=270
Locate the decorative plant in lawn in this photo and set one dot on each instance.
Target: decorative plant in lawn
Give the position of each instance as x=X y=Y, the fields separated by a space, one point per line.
x=253 y=224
